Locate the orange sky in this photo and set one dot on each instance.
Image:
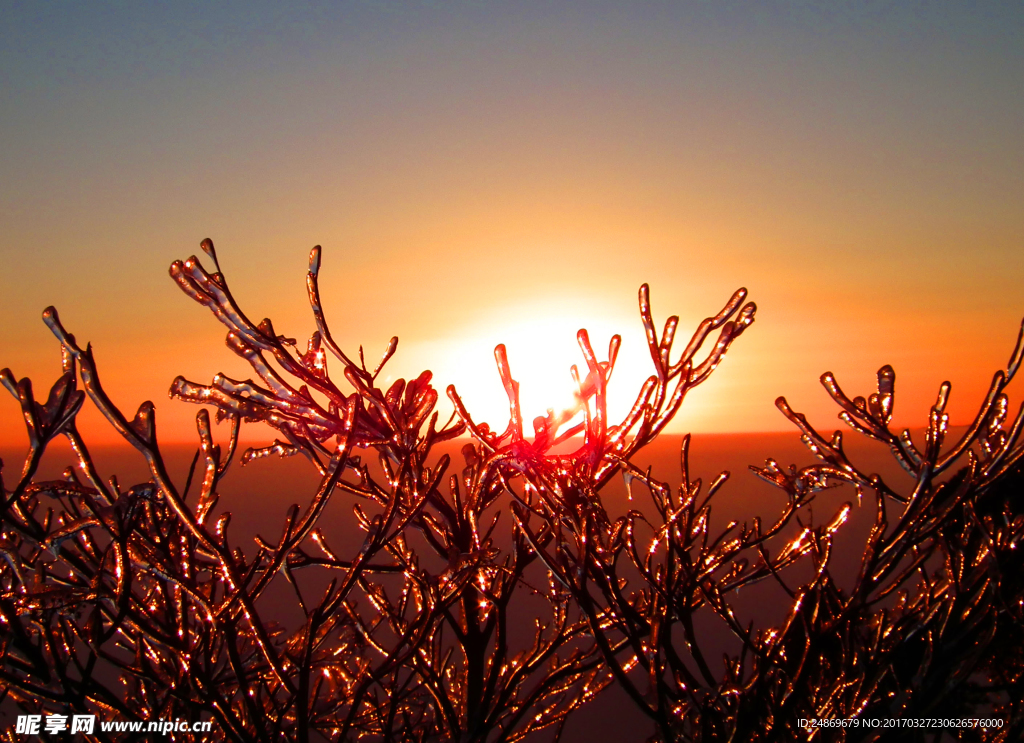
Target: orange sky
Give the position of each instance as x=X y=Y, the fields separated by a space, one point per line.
x=478 y=174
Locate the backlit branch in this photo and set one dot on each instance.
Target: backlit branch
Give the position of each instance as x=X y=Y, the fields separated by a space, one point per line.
x=139 y=602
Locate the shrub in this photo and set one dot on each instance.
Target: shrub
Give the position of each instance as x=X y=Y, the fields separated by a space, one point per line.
x=135 y=604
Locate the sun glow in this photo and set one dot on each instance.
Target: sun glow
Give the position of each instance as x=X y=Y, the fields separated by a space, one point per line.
x=542 y=347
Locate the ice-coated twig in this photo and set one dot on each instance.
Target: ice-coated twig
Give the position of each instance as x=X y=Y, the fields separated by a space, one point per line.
x=139 y=603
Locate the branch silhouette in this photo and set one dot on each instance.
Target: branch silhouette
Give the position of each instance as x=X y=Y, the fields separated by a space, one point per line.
x=135 y=603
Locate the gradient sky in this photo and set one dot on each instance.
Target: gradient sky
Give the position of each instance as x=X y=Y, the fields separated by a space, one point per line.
x=484 y=172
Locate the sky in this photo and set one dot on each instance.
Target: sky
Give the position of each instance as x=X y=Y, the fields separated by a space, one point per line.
x=485 y=172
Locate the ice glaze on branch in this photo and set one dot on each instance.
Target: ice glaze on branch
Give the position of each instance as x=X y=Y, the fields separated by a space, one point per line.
x=136 y=602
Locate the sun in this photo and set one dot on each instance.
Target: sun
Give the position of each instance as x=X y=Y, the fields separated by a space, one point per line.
x=540 y=358
x=541 y=347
